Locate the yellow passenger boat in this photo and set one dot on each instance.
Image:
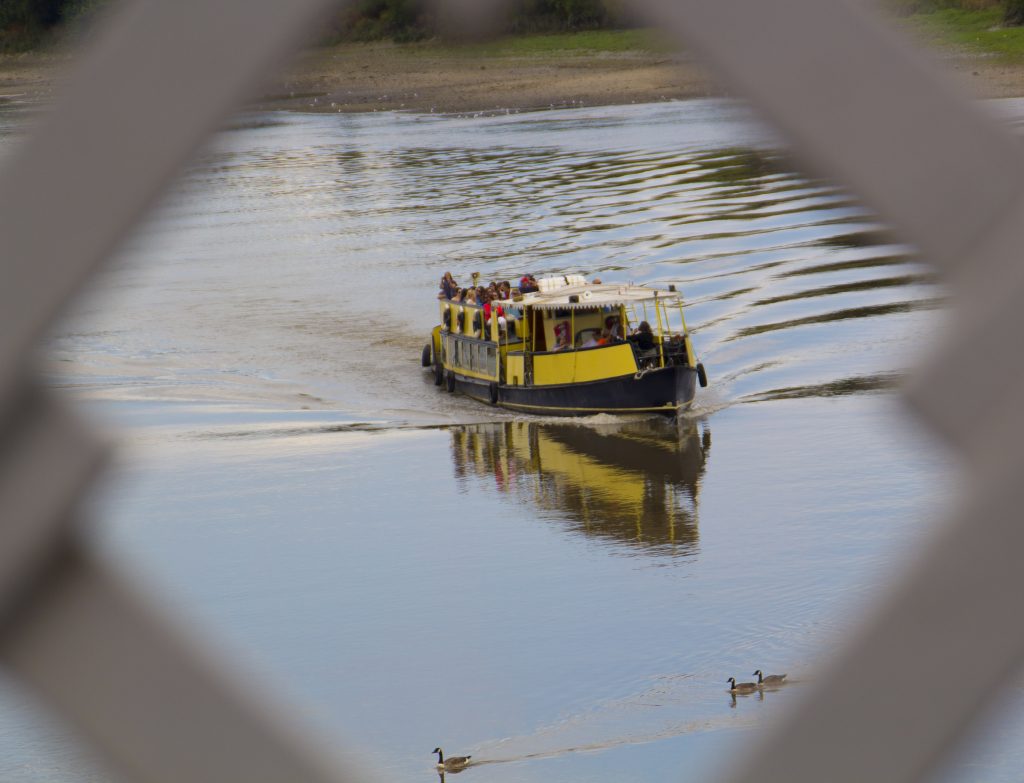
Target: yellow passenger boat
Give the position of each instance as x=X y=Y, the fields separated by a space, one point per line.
x=572 y=348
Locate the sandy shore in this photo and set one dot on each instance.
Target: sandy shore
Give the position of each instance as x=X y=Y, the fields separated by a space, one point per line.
x=427 y=77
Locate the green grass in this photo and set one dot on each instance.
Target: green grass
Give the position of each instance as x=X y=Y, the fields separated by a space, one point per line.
x=555 y=44
x=977 y=31
x=595 y=41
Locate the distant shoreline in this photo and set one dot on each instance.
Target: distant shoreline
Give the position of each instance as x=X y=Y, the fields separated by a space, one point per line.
x=425 y=78
x=435 y=78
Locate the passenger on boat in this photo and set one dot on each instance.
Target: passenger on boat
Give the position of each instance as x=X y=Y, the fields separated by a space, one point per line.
x=496 y=308
x=448 y=286
x=642 y=338
x=613 y=327
x=528 y=284
x=562 y=341
x=469 y=297
x=504 y=290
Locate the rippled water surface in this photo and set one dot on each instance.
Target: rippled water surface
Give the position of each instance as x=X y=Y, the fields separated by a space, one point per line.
x=564 y=600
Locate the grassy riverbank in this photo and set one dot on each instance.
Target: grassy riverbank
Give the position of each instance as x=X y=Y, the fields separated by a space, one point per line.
x=972 y=32
x=985 y=57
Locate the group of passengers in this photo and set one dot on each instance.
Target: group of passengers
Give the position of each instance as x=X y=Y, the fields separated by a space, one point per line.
x=490 y=296
x=481 y=295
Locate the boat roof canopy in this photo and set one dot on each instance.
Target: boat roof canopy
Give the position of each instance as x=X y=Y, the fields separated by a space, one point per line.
x=587 y=296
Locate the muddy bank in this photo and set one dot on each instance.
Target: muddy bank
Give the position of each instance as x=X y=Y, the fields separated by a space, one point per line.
x=376 y=77
x=29 y=78
x=428 y=77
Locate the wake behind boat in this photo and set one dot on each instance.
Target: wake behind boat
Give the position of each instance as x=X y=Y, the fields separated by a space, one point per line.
x=562 y=349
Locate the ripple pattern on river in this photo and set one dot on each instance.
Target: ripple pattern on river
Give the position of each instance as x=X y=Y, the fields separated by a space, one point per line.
x=305 y=253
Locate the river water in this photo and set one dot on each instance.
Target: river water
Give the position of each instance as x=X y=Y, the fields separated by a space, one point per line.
x=562 y=600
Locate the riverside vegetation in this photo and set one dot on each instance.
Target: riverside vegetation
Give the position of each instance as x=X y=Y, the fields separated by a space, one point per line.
x=393 y=55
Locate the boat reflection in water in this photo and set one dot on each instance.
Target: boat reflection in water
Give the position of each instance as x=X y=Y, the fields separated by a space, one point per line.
x=633 y=482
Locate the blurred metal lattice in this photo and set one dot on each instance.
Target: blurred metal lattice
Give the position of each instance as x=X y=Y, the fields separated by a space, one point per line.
x=857 y=103
x=137 y=104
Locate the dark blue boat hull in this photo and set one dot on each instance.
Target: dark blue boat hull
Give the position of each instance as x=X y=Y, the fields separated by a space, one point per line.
x=666 y=390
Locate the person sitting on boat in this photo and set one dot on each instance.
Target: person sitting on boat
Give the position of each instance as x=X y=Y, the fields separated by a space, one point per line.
x=642 y=338
x=562 y=342
x=592 y=340
x=528 y=284
x=448 y=286
x=613 y=328
x=504 y=290
x=496 y=308
x=469 y=297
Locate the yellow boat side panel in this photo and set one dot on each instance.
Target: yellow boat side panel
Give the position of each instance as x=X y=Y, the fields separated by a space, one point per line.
x=515 y=370
x=591 y=364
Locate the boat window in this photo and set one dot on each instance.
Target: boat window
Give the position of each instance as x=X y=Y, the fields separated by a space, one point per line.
x=583 y=336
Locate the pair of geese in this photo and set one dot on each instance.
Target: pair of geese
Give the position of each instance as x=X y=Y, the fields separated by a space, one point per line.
x=459 y=763
x=763 y=681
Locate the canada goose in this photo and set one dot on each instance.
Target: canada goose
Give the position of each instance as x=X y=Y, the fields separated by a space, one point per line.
x=771 y=679
x=453 y=764
x=741 y=687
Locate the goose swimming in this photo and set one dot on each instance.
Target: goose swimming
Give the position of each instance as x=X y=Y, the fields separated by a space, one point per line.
x=452 y=764
x=741 y=687
x=771 y=679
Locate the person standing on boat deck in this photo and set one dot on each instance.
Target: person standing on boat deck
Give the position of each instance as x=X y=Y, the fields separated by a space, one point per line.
x=448 y=286
x=643 y=338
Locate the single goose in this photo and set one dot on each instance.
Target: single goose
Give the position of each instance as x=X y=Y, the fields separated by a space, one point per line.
x=453 y=764
x=741 y=687
x=771 y=679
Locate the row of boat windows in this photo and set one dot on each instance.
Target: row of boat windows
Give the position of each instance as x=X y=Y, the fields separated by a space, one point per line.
x=474 y=356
